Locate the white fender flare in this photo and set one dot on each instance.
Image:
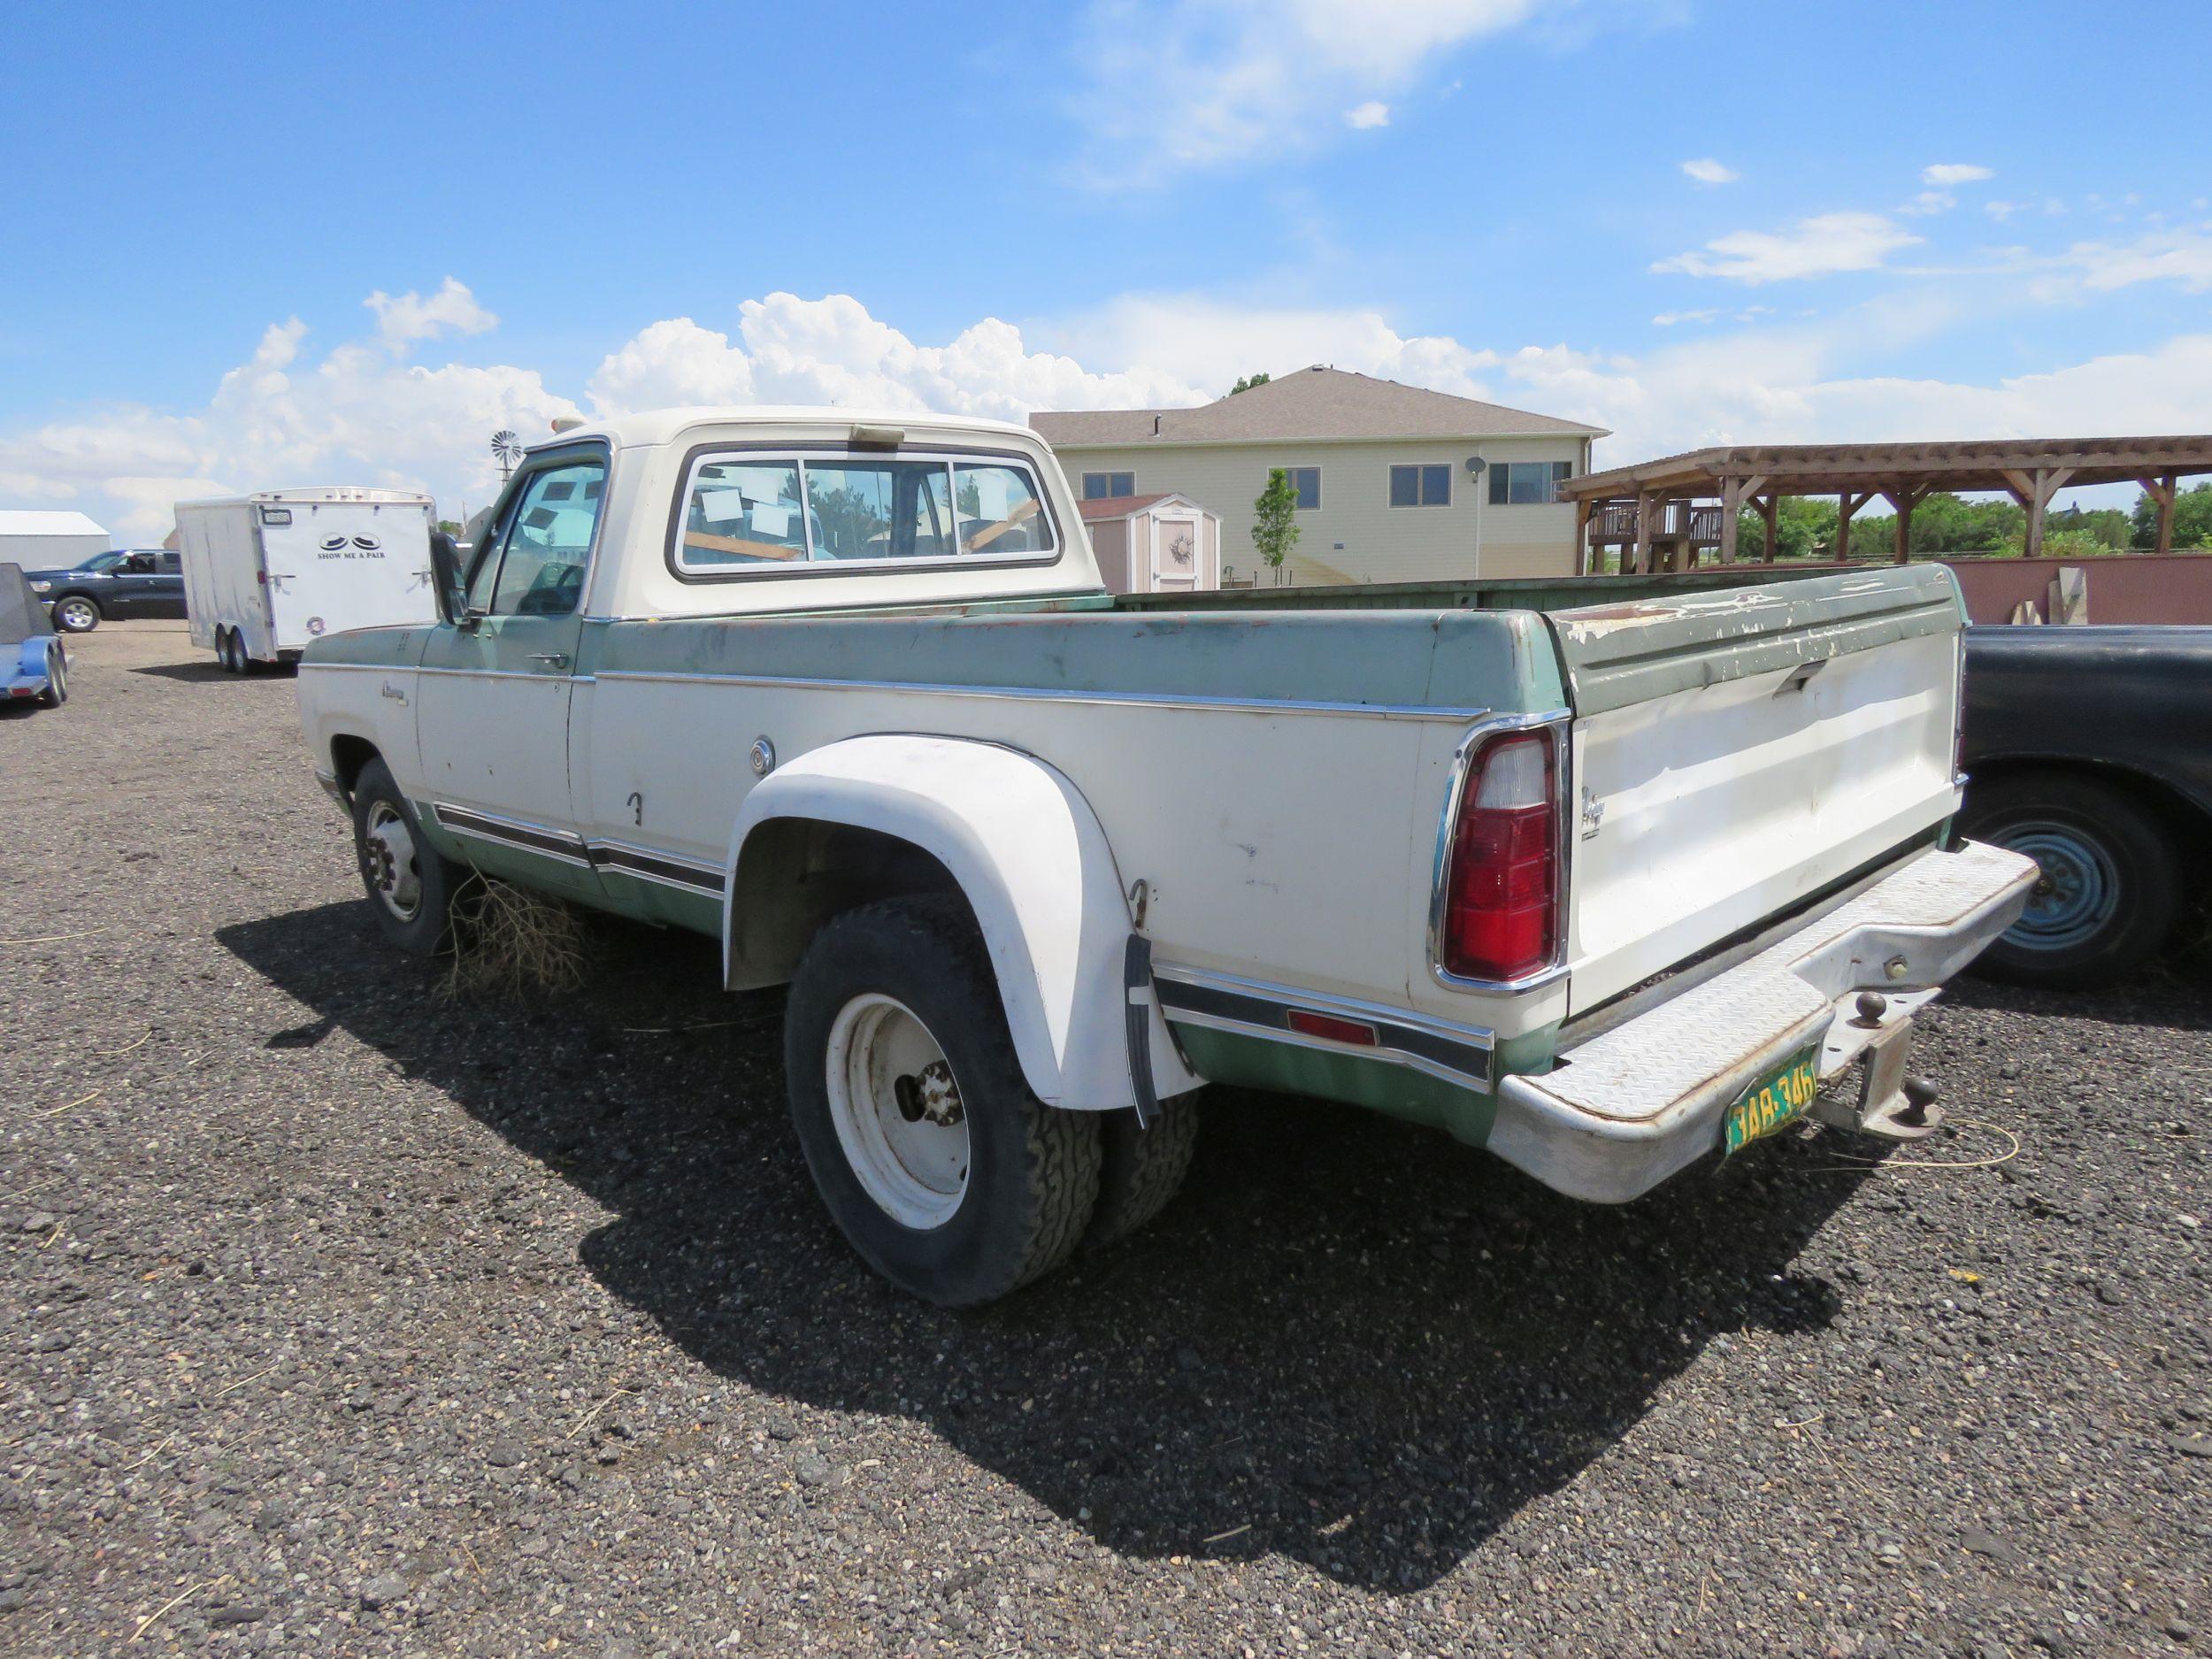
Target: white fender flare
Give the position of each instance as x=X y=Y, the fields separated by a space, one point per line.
x=1030 y=857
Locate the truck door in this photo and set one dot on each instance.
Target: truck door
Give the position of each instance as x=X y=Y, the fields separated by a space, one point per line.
x=492 y=704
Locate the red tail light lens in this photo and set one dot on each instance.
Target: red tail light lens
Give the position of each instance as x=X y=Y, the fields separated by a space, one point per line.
x=1502 y=887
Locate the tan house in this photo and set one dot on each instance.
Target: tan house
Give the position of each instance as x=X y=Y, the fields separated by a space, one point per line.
x=1395 y=483
x=1154 y=544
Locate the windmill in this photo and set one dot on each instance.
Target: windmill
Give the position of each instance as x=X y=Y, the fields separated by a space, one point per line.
x=506 y=450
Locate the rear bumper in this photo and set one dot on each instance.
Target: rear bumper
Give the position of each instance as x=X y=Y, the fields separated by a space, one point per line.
x=1624 y=1111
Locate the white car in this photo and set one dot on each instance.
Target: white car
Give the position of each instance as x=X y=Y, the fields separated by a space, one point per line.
x=1606 y=888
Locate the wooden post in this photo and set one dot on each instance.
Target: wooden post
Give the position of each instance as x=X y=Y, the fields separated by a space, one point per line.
x=2161 y=491
x=1770 y=510
x=1733 y=492
x=1646 y=506
x=1847 y=506
x=2034 y=491
x=1904 y=498
x=1582 y=536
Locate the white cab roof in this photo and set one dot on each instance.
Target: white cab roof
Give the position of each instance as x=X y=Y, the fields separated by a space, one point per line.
x=663 y=426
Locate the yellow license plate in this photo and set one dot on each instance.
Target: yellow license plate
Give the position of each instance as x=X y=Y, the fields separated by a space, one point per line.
x=1775 y=1101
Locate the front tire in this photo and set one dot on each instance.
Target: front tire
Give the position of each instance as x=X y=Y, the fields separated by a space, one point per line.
x=73 y=613
x=2110 y=888
x=939 y=1167
x=411 y=885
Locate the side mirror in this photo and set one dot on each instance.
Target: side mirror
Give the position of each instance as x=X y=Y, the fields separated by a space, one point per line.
x=445 y=570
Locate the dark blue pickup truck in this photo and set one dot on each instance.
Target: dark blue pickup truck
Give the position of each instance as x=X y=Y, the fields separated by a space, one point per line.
x=2090 y=750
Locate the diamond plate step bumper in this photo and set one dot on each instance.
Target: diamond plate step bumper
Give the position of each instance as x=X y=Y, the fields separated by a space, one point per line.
x=1624 y=1111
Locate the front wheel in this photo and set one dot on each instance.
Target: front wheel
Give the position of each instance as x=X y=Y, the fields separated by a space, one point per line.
x=75 y=614
x=409 y=884
x=941 y=1168
x=2108 y=891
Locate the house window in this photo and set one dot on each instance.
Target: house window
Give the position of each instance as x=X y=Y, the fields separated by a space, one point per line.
x=1527 y=483
x=1428 y=486
x=1307 y=481
x=1108 y=486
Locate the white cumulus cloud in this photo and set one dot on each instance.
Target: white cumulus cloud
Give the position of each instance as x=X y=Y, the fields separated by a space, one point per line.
x=412 y=316
x=1167 y=87
x=1822 y=245
x=1944 y=175
x=1374 y=112
x=1705 y=170
x=291 y=414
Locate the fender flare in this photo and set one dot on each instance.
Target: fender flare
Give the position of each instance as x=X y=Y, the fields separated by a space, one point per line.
x=1032 y=861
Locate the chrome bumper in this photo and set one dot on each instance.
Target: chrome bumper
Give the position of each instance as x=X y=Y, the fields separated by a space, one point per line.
x=1622 y=1112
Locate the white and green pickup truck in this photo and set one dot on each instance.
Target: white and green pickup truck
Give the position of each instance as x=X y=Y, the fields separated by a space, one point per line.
x=1606 y=876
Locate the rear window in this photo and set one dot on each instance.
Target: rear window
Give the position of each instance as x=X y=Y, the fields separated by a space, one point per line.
x=755 y=513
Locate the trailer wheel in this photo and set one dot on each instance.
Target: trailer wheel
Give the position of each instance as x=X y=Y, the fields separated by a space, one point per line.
x=409 y=885
x=1142 y=1170
x=939 y=1167
x=57 y=692
x=2110 y=890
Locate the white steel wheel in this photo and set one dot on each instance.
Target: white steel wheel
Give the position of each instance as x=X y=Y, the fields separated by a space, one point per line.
x=388 y=857
x=897 y=1111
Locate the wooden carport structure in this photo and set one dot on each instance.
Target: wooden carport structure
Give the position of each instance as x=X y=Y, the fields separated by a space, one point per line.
x=1656 y=512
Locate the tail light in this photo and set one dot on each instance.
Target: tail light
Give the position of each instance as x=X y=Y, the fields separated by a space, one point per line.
x=1502 y=886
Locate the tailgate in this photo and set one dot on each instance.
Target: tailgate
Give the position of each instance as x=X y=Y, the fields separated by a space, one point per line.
x=1735 y=752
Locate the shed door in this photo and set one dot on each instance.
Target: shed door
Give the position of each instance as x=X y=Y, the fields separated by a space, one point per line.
x=1178 y=553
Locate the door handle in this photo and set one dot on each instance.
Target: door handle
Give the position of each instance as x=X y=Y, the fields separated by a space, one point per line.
x=554 y=660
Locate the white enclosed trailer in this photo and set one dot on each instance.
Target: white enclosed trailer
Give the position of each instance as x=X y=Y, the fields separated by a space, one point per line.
x=39 y=540
x=264 y=574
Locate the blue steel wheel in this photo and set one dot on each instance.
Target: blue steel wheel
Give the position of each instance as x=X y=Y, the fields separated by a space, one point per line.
x=2109 y=888
x=2077 y=894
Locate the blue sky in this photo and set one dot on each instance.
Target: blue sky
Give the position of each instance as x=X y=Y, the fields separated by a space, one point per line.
x=248 y=246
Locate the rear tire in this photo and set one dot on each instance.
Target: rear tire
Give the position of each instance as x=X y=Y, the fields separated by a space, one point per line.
x=73 y=613
x=1142 y=1170
x=2110 y=889
x=411 y=885
x=937 y=1163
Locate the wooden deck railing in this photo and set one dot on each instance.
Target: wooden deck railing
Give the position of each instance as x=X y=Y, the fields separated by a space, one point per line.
x=1614 y=521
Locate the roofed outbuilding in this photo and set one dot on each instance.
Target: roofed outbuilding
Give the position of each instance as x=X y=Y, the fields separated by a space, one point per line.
x=1318 y=404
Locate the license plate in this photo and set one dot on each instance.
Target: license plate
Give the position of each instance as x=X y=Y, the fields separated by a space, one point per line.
x=1775 y=1101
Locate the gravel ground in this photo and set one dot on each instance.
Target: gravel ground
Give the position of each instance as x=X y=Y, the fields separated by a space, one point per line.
x=346 y=1317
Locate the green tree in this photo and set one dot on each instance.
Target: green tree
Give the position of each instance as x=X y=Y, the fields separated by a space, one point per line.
x=1804 y=527
x=1246 y=382
x=1274 y=519
x=2192 y=518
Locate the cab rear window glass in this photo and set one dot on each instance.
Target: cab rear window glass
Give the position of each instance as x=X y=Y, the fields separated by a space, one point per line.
x=769 y=512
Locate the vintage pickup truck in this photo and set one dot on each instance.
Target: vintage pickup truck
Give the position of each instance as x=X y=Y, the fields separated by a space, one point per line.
x=1604 y=887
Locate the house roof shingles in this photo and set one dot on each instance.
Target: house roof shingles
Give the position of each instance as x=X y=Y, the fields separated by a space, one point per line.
x=1318 y=403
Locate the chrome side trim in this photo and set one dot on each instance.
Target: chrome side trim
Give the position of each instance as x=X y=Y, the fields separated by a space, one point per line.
x=1149 y=699
x=1459 y=1055
x=536 y=838
x=454 y=673
x=1563 y=807
x=932 y=688
x=648 y=864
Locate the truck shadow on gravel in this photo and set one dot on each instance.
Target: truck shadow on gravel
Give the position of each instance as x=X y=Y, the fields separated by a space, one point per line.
x=1348 y=1342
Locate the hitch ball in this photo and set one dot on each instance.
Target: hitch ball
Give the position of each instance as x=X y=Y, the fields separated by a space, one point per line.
x=1920 y=1094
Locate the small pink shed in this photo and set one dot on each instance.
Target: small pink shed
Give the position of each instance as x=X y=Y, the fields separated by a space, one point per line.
x=1154 y=544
